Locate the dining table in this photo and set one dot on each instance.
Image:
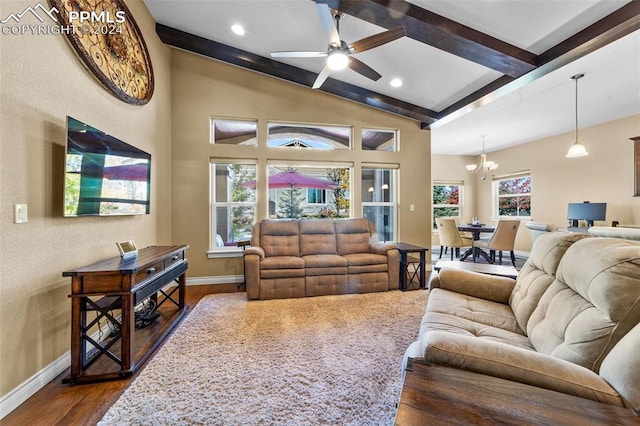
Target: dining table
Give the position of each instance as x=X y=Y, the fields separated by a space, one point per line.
x=475 y=231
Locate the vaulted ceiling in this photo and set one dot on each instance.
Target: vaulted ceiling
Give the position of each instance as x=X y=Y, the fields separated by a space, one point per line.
x=457 y=56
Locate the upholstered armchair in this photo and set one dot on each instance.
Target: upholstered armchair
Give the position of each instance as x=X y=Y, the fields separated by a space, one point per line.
x=450 y=236
x=502 y=239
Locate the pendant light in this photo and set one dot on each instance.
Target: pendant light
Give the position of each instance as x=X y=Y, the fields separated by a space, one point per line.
x=577 y=149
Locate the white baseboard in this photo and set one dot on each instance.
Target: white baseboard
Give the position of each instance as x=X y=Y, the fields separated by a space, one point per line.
x=33 y=384
x=29 y=387
x=222 y=279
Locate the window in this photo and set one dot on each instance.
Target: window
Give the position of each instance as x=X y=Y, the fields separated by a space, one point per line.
x=513 y=195
x=379 y=200
x=309 y=136
x=446 y=201
x=312 y=191
x=316 y=196
x=234 y=132
x=234 y=202
x=379 y=140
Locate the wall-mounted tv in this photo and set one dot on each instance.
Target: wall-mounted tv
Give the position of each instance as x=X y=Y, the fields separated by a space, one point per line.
x=104 y=176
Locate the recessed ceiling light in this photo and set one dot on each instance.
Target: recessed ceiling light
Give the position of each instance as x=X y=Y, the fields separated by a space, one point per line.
x=237 y=29
x=396 y=82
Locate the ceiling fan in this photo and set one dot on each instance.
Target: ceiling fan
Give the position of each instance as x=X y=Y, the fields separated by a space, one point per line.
x=339 y=53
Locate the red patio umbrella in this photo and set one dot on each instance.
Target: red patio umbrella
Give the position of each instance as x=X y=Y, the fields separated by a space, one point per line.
x=292 y=179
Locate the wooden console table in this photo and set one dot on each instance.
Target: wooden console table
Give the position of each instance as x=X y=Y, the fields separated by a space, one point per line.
x=115 y=284
x=434 y=394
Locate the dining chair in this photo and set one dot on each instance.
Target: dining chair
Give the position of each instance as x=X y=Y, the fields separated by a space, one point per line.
x=502 y=239
x=450 y=236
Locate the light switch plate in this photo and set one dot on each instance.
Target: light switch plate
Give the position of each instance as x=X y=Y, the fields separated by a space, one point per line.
x=412 y=207
x=20 y=213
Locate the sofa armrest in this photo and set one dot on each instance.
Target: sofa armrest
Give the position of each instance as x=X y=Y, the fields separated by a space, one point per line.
x=483 y=286
x=380 y=247
x=252 y=258
x=255 y=250
x=516 y=364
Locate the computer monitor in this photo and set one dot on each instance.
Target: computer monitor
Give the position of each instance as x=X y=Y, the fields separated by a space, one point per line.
x=586 y=211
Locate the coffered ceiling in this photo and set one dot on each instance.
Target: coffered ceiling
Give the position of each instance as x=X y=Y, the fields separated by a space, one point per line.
x=499 y=68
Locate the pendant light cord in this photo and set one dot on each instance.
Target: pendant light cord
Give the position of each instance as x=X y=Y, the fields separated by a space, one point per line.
x=576 y=78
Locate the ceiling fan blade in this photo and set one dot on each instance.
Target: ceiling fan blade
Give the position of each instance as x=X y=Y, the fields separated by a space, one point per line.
x=328 y=24
x=364 y=69
x=376 y=40
x=300 y=54
x=322 y=76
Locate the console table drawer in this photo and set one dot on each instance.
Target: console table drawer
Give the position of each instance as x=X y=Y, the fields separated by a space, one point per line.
x=149 y=271
x=172 y=260
x=98 y=284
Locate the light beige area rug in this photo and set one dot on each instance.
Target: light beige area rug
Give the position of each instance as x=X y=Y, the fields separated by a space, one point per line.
x=330 y=360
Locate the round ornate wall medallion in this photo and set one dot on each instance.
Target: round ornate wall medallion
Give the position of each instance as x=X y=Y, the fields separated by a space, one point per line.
x=109 y=42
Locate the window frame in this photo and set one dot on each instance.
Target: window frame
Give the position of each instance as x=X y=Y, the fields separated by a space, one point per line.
x=496 y=197
x=231 y=251
x=393 y=195
x=460 y=185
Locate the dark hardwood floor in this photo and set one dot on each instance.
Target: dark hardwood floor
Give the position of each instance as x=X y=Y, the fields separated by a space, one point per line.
x=58 y=404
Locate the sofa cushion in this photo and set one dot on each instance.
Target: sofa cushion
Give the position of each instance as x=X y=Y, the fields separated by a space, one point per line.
x=360 y=259
x=324 y=261
x=517 y=364
x=594 y=301
x=282 y=262
x=325 y=264
x=360 y=263
x=538 y=273
x=317 y=237
x=352 y=235
x=474 y=309
x=280 y=237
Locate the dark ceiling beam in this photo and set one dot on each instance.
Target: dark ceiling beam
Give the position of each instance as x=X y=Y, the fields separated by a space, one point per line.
x=440 y=32
x=608 y=29
x=612 y=27
x=211 y=49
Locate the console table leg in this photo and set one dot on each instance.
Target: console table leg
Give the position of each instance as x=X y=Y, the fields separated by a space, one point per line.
x=128 y=332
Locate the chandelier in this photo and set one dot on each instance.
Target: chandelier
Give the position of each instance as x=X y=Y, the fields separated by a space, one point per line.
x=485 y=165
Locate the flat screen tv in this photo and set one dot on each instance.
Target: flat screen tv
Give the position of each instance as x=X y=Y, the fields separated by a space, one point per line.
x=586 y=211
x=104 y=176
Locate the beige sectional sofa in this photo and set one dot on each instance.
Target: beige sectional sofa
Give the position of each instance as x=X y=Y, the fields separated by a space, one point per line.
x=570 y=322
x=314 y=257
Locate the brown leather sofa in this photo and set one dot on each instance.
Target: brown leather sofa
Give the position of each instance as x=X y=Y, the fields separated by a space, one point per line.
x=314 y=257
x=570 y=323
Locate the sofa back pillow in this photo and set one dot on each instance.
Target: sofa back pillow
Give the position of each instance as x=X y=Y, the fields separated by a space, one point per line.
x=593 y=302
x=352 y=235
x=538 y=273
x=317 y=236
x=621 y=368
x=280 y=237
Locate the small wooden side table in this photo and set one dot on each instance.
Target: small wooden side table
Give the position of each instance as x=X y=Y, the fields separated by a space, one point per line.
x=436 y=395
x=404 y=250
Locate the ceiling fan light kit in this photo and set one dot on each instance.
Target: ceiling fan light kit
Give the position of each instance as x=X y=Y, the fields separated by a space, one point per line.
x=337 y=60
x=577 y=149
x=339 y=53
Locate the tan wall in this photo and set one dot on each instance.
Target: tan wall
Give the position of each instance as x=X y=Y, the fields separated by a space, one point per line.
x=42 y=82
x=606 y=175
x=203 y=88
